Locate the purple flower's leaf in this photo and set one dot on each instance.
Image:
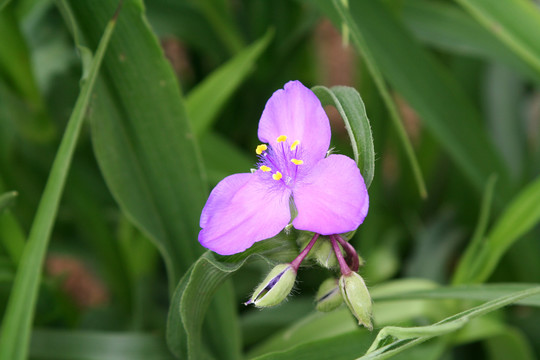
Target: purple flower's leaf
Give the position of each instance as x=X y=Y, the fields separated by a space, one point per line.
x=353 y=112
x=242 y=210
x=332 y=198
x=298 y=114
x=199 y=285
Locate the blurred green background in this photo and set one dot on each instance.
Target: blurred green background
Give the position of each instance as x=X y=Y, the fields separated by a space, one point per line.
x=451 y=91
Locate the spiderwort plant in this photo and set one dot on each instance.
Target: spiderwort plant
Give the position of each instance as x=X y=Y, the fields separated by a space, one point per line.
x=296 y=182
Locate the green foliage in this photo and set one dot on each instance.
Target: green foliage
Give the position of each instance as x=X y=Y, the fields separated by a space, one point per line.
x=17 y=322
x=353 y=113
x=429 y=97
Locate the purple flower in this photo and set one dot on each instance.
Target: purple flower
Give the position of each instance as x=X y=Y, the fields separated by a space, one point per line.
x=328 y=192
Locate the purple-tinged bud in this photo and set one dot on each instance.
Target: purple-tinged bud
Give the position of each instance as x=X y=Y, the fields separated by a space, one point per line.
x=329 y=296
x=275 y=287
x=356 y=296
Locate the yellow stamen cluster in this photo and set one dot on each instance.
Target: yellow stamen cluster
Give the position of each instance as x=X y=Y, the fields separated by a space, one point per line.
x=260 y=148
x=277 y=176
x=297 y=162
x=265 y=168
x=295 y=144
x=281 y=138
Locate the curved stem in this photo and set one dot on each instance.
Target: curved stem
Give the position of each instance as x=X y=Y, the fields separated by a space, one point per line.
x=298 y=260
x=345 y=270
x=352 y=255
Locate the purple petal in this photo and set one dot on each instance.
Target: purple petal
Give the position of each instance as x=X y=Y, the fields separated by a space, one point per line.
x=332 y=198
x=296 y=112
x=241 y=210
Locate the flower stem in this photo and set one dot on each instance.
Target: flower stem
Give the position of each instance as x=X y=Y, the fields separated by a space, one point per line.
x=295 y=264
x=352 y=255
x=345 y=270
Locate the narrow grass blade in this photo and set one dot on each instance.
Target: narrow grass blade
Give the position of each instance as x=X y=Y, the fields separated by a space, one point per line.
x=442 y=105
x=521 y=215
x=515 y=22
x=446 y=26
x=393 y=340
x=377 y=75
x=469 y=258
x=17 y=323
x=205 y=101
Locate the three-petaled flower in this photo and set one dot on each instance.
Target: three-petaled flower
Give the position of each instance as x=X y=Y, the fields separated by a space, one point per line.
x=328 y=192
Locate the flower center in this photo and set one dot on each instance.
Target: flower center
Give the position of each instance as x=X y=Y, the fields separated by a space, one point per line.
x=280 y=162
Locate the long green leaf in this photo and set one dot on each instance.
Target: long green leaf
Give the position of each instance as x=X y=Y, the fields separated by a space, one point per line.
x=515 y=22
x=17 y=321
x=381 y=85
x=469 y=258
x=446 y=26
x=221 y=19
x=420 y=79
x=93 y=345
x=353 y=113
x=205 y=101
x=393 y=340
x=520 y=216
x=142 y=139
x=483 y=292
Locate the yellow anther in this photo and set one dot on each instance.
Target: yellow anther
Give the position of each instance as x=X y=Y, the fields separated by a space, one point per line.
x=297 y=162
x=295 y=144
x=265 y=168
x=277 y=176
x=281 y=138
x=260 y=148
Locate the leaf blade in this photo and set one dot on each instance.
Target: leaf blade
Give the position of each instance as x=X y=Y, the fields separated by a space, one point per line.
x=350 y=106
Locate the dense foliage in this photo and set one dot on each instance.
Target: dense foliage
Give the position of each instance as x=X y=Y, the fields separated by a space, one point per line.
x=117 y=121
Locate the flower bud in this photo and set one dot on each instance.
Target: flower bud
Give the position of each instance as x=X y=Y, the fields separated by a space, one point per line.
x=356 y=296
x=322 y=251
x=324 y=254
x=275 y=287
x=329 y=296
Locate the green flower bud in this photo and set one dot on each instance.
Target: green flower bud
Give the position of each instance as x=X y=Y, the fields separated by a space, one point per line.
x=356 y=296
x=275 y=287
x=324 y=254
x=321 y=252
x=329 y=296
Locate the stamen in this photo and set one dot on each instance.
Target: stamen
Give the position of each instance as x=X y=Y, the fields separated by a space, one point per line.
x=260 y=148
x=295 y=144
x=281 y=138
x=297 y=162
x=265 y=168
x=277 y=176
